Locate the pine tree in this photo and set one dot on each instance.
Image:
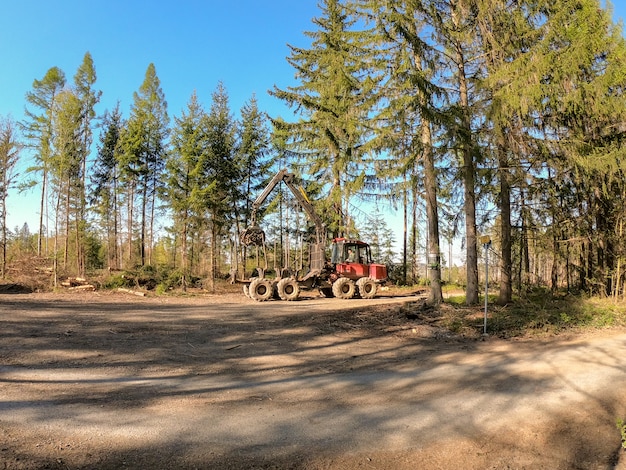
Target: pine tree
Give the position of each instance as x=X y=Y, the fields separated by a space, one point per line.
x=84 y=80
x=10 y=148
x=65 y=169
x=37 y=129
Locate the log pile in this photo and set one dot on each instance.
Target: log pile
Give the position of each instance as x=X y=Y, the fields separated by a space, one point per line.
x=78 y=283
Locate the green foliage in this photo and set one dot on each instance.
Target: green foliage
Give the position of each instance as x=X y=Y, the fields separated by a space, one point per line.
x=530 y=92
x=335 y=97
x=116 y=281
x=142 y=160
x=544 y=312
x=621 y=426
x=456 y=300
x=93 y=251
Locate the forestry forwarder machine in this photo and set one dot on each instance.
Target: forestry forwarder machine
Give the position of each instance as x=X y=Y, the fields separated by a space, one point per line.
x=349 y=272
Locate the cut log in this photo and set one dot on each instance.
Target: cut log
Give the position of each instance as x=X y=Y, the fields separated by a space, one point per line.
x=83 y=287
x=130 y=291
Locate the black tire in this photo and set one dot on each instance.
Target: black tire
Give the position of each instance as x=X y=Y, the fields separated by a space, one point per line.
x=275 y=295
x=261 y=290
x=344 y=288
x=367 y=287
x=288 y=289
x=327 y=292
x=246 y=287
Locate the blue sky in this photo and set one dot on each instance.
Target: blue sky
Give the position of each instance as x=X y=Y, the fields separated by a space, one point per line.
x=194 y=44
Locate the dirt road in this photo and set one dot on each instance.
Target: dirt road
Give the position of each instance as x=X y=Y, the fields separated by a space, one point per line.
x=106 y=381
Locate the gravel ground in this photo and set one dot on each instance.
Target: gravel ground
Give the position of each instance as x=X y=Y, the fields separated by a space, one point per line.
x=110 y=380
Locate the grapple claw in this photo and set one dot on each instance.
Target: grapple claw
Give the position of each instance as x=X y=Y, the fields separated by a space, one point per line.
x=253 y=236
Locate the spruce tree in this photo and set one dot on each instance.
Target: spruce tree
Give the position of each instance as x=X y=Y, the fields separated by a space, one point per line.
x=253 y=159
x=145 y=148
x=411 y=116
x=105 y=183
x=453 y=24
x=186 y=181
x=333 y=96
x=558 y=87
x=222 y=172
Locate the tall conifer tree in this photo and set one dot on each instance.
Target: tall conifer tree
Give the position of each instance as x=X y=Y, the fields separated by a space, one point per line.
x=10 y=148
x=186 y=181
x=145 y=148
x=223 y=173
x=334 y=97
x=38 y=132
x=105 y=180
x=84 y=81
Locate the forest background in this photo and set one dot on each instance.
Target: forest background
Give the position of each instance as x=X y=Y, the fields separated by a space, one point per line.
x=464 y=118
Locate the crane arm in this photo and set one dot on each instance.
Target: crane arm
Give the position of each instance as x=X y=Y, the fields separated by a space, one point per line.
x=288 y=178
x=278 y=177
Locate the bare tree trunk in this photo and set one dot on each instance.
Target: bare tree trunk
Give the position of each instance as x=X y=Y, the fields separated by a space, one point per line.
x=55 y=257
x=153 y=198
x=469 y=173
x=42 y=207
x=405 y=232
x=554 y=273
x=3 y=220
x=117 y=255
x=4 y=171
x=184 y=258
x=414 y=245
x=506 y=290
x=524 y=274
x=66 y=244
x=130 y=215
x=144 y=202
x=213 y=256
x=430 y=184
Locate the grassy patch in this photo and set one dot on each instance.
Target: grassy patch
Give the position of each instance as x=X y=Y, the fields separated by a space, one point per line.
x=621 y=426
x=538 y=313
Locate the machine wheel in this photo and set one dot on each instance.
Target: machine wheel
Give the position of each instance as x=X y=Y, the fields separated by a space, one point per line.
x=288 y=289
x=246 y=290
x=327 y=292
x=261 y=290
x=275 y=294
x=344 y=288
x=367 y=287
x=246 y=287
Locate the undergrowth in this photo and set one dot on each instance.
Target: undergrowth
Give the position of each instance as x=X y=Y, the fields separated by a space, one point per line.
x=621 y=426
x=539 y=312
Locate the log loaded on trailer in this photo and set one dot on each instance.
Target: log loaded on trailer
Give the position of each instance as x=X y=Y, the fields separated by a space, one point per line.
x=349 y=272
